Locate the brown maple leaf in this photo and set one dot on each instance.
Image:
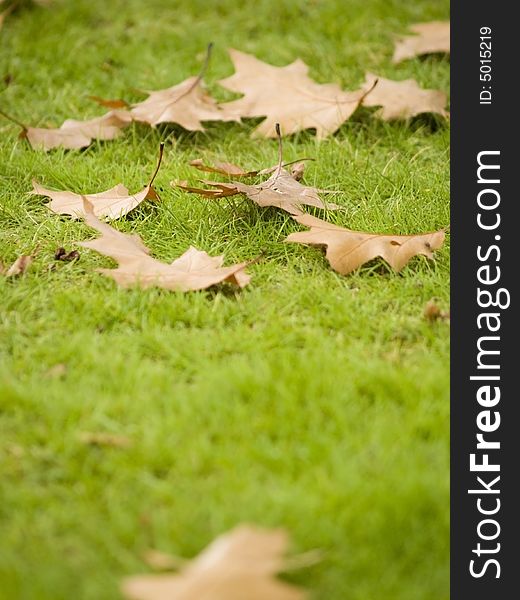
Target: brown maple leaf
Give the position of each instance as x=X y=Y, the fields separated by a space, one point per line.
x=239 y=565
x=110 y=103
x=194 y=270
x=223 y=168
x=286 y=95
x=74 y=134
x=220 y=190
x=186 y=104
x=162 y=561
x=113 y=203
x=232 y=170
x=348 y=250
x=20 y=265
x=281 y=190
x=402 y=99
x=430 y=38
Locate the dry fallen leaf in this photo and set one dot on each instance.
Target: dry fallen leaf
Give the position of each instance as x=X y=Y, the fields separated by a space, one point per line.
x=109 y=103
x=232 y=170
x=20 y=265
x=113 y=203
x=194 y=270
x=104 y=439
x=402 y=99
x=239 y=565
x=347 y=250
x=223 y=168
x=220 y=190
x=281 y=190
x=74 y=134
x=430 y=38
x=186 y=104
x=286 y=95
x=161 y=561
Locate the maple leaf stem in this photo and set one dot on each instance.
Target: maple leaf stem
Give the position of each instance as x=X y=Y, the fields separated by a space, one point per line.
x=280 y=150
x=296 y=160
x=200 y=75
x=13 y=120
x=206 y=61
x=368 y=91
x=161 y=151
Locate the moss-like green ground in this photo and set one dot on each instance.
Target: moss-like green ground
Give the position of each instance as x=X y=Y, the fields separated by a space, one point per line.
x=308 y=400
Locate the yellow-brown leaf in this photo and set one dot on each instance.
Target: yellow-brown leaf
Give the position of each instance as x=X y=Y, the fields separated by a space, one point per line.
x=348 y=250
x=194 y=270
x=429 y=38
x=240 y=565
x=288 y=96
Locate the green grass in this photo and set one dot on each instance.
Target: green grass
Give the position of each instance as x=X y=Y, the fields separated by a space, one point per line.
x=308 y=400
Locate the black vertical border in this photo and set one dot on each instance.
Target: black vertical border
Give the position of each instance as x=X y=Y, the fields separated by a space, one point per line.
x=474 y=128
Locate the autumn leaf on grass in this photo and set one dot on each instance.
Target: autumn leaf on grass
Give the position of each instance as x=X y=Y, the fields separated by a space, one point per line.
x=239 y=565
x=20 y=265
x=287 y=95
x=73 y=134
x=113 y=203
x=110 y=103
x=222 y=168
x=402 y=99
x=232 y=170
x=219 y=190
x=429 y=38
x=348 y=250
x=186 y=104
x=162 y=561
x=281 y=190
x=194 y=270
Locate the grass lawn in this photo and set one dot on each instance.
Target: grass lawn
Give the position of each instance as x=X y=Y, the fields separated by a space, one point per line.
x=308 y=400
